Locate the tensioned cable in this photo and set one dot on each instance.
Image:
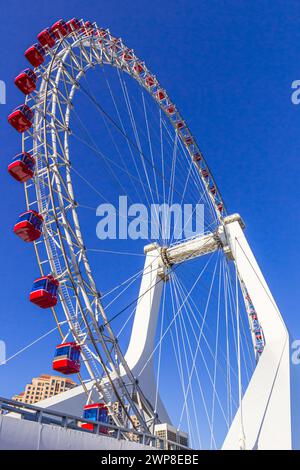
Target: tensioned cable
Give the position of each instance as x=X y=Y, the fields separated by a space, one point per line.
x=221 y=269
x=123 y=129
x=159 y=353
x=228 y=364
x=178 y=357
x=247 y=337
x=198 y=346
x=195 y=307
x=96 y=250
x=172 y=269
x=182 y=327
x=162 y=125
x=117 y=148
x=242 y=445
x=100 y=108
x=136 y=134
x=33 y=342
x=170 y=141
x=177 y=313
x=188 y=306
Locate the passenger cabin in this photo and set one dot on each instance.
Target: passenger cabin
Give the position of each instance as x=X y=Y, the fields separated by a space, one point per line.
x=253 y=315
x=95 y=412
x=29 y=226
x=115 y=45
x=161 y=95
x=60 y=29
x=26 y=81
x=88 y=28
x=46 y=38
x=73 y=25
x=258 y=335
x=170 y=109
x=150 y=82
x=138 y=68
x=66 y=359
x=188 y=140
x=197 y=157
x=22 y=167
x=127 y=55
x=44 y=292
x=35 y=55
x=102 y=34
x=21 y=118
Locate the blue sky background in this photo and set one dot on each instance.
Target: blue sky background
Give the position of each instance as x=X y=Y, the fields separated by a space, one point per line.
x=229 y=67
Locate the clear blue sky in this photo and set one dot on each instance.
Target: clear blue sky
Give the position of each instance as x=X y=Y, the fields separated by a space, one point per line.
x=229 y=67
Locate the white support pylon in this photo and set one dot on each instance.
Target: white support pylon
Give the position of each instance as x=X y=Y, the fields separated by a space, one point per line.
x=139 y=355
x=267 y=417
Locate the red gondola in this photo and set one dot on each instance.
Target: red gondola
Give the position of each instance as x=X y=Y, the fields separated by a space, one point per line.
x=179 y=125
x=22 y=167
x=21 y=118
x=101 y=33
x=35 y=55
x=29 y=226
x=26 y=81
x=220 y=207
x=197 y=157
x=170 y=109
x=59 y=28
x=66 y=359
x=127 y=55
x=88 y=28
x=95 y=412
x=44 y=292
x=138 y=68
x=150 y=82
x=188 y=140
x=46 y=38
x=258 y=335
x=73 y=24
x=160 y=95
x=115 y=45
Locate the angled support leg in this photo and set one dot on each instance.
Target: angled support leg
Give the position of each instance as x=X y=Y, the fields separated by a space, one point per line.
x=267 y=415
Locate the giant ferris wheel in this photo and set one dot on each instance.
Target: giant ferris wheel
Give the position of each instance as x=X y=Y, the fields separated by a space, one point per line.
x=177 y=330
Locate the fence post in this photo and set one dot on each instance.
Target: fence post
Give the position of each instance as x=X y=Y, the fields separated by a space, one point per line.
x=64 y=421
x=39 y=416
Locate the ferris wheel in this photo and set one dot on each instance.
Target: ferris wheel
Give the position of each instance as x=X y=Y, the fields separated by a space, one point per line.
x=161 y=323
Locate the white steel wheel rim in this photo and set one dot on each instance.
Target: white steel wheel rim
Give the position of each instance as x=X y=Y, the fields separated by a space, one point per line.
x=58 y=234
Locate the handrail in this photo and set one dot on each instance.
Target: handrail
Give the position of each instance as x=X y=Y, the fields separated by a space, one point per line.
x=46 y=416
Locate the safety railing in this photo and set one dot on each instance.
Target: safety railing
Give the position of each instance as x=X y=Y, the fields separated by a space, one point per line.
x=46 y=416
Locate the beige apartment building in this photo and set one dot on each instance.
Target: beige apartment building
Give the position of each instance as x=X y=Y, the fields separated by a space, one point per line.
x=120 y=412
x=170 y=433
x=43 y=387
